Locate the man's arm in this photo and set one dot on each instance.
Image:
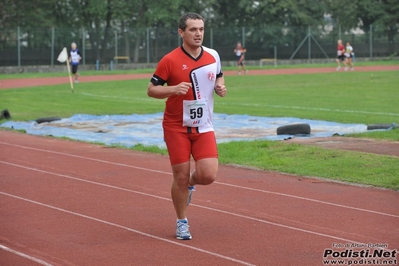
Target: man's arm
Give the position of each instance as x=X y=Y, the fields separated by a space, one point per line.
x=161 y=92
x=220 y=88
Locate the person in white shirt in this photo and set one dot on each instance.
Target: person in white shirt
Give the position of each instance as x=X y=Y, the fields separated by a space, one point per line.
x=74 y=59
x=348 y=56
x=240 y=53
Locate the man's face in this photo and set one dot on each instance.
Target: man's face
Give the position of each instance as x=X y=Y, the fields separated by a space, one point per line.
x=194 y=33
x=73 y=46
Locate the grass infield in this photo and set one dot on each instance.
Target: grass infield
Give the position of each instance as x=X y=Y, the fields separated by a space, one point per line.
x=352 y=97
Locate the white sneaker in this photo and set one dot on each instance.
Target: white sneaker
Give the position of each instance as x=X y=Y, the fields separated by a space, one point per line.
x=182 y=232
x=338 y=68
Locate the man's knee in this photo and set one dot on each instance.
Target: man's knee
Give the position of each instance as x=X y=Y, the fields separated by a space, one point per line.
x=206 y=171
x=207 y=178
x=181 y=174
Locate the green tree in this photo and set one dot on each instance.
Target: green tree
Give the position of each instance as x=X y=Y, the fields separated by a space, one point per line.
x=29 y=16
x=381 y=14
x=272 y=22
x=134 y=17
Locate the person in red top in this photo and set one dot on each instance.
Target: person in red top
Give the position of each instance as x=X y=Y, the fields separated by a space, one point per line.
x=193 y=75
x=340 y=55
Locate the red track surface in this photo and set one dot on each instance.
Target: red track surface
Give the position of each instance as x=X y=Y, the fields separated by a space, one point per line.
x=71 y=203
x=31 y=82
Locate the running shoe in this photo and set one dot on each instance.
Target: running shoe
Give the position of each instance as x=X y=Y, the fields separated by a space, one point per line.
x=190 y=194
x=338 y=68
x=182 y=232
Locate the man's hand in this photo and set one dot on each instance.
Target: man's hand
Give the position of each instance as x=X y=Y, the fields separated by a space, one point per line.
x=182 y=88
x=220 y=90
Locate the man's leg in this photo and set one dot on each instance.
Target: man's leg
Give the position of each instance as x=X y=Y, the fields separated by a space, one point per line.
x=181 y=175
x=205 y=154
x=76 y=73
x=205 y=172
x=338 y=60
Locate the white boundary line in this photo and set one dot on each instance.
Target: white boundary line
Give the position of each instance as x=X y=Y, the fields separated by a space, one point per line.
x=310 y=108
x=262 y=105
x=130 y=230
x=167 y=199
x=219 y=183
x=42 y=262
x=312 y=200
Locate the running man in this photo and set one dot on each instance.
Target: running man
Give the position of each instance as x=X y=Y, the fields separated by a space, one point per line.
x=348 y=56
x=240 y=53
x=193 y=74
x=75 y=60
x=340 y=55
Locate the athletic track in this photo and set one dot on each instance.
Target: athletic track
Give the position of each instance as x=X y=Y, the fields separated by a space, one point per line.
x=71 y=203
x=32 y=82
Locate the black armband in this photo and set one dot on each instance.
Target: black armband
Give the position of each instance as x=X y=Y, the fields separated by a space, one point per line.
x=157 y=81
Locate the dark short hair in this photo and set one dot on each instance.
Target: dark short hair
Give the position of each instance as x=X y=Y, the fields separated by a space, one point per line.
x=185 y=17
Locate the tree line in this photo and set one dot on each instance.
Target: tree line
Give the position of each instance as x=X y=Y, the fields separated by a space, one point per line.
x=101 y=17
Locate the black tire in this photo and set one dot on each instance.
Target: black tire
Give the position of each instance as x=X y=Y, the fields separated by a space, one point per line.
x=5 y=114
x=380 y=126
x=47 y=119
x=294 y=129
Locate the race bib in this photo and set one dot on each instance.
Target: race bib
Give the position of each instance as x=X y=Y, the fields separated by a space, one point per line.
x=195 y=113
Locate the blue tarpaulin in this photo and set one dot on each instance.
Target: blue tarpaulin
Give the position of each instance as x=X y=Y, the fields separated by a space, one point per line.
x=130 y=130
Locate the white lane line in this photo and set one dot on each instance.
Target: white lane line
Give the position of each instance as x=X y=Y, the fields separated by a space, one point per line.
x=308 y=199
x=85 y=181
x=309 y=108
x=217 y=182
x=130 y=230
x=42 y=262
x=199 y=206
x=88 y=158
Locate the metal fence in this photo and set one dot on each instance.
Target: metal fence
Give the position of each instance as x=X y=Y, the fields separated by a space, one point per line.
x=24 y=47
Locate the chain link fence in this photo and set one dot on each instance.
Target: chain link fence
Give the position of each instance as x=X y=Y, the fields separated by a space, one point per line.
x=27 y=47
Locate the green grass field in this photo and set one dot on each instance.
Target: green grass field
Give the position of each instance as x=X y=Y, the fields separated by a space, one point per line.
x=352 y=97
